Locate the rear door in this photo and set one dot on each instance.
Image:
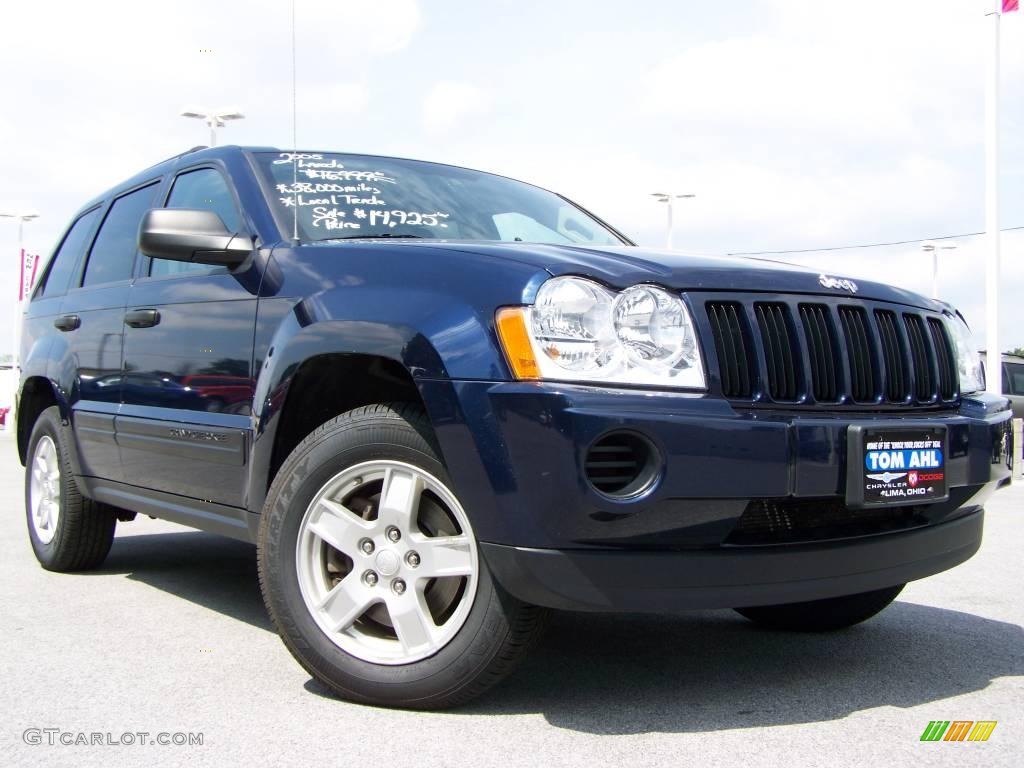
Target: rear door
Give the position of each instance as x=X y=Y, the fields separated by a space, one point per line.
x=93 y=314
x=43 y=324
x=184 y=425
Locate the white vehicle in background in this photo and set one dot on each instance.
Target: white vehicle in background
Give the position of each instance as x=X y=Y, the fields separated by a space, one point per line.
x=1013 y=381
x=8 y=384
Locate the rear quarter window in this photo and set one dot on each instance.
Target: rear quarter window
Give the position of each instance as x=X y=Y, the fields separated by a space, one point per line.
x=1014 y=384
x=65 y=260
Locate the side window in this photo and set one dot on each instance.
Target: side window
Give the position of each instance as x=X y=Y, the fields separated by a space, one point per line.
x=65 y=260
x=203 y=189
x=1013 y=379
x=113 y=252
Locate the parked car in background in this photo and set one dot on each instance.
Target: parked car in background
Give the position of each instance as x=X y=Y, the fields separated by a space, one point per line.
x=442 y=402
x=227 y=394
x=1013 y=381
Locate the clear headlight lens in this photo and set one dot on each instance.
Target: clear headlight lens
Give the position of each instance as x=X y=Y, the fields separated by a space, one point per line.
x=572 y=325
x=578 y=330
x=972 y=379
x=654 y=328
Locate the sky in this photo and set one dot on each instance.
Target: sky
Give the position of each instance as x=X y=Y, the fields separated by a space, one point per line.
x=798 y=124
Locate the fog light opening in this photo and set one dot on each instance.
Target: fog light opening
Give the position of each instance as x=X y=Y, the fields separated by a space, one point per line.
x=622 y=465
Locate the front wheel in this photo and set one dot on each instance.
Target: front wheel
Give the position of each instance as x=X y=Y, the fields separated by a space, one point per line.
x=68 y=532
x=370 y=568
x=823 y=615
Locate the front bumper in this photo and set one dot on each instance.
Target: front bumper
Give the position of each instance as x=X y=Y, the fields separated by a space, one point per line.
x=610 y=580
x=516 y=454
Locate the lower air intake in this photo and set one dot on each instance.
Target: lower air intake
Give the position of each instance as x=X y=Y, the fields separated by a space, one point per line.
x=785 y=521
x=620 y=465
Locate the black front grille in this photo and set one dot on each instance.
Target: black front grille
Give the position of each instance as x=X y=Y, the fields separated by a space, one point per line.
x=729 y=331
x=894 y=358
x=832 y=352
x=774 y=322
x=924 y=378
x=944 y=359
x=821 y=348
x=787 y=521
x=859 y=354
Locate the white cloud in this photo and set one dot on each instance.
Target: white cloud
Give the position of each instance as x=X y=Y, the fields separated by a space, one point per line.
x=334 y=98
x=797 y=123
x=355 y=26
x=448 y=103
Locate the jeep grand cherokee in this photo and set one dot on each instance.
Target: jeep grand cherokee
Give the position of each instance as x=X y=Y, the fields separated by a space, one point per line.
x=458 y=401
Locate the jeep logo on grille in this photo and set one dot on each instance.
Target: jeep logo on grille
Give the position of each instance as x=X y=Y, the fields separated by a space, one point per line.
x=837 y=282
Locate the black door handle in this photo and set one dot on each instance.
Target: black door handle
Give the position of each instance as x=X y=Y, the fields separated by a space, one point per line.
x=142 y=318
x=67 y=322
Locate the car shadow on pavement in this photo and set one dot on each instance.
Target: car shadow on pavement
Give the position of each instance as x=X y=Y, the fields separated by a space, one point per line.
x=629 y=674
x=713 y=670
x=213 y=571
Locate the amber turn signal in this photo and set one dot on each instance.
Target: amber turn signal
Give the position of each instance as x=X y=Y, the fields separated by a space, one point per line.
x=515 y=340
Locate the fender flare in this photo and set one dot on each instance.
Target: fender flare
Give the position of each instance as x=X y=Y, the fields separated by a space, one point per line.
x=309 y=330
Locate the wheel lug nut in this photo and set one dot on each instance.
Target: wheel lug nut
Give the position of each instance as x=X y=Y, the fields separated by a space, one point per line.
x=366 y=547
x=370 y=579
x=393 y=533
x=398 y=587
x=412 y=559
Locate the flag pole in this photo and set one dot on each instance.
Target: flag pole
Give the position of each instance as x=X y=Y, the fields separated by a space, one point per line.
x=994 y=361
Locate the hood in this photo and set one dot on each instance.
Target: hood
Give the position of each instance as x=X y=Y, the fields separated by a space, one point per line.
x=622 y=266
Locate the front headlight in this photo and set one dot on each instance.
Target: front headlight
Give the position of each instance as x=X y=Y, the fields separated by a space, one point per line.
x=578 y=330
x=972 y=379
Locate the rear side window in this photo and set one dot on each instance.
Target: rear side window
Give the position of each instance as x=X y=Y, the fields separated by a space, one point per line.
x=113 y=252
x=1013 y=379
x=203 y=189
x=66 y=258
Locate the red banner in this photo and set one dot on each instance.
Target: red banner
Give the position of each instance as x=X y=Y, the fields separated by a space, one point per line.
x=1010 y=5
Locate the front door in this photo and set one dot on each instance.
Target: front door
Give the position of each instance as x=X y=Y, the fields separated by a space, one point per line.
x=184 y=426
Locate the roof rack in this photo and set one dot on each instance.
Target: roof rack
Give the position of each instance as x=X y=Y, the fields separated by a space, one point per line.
x=175 y=157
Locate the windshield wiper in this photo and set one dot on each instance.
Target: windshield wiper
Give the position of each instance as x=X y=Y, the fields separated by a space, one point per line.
x=381 y=236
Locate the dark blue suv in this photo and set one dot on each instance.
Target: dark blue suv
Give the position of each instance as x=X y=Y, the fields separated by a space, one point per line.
x=442 y=402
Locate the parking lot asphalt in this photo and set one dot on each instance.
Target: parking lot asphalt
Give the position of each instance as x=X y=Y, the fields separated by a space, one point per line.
x=171 y=636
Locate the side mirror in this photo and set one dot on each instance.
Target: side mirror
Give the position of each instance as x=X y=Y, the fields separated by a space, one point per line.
x=184 y=234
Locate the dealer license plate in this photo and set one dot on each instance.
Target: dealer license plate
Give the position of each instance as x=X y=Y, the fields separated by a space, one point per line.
x=899 y=465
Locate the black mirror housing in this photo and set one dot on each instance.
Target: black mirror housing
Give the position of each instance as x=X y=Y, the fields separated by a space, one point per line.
x=185 y=234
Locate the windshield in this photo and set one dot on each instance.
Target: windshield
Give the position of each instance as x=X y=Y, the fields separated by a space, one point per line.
x=355 y=196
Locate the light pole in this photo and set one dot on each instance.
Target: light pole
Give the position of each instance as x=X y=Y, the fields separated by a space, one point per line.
x=22 y=217
x=213 y=118
x=667 y=198
x=933 y=249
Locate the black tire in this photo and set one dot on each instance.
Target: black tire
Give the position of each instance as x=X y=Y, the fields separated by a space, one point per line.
x=498 y=629
x=823 y=615
x=85 y=529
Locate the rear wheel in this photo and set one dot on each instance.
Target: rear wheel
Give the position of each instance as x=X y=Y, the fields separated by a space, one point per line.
x=823 y=615
x=370 y=568
x=68 y=532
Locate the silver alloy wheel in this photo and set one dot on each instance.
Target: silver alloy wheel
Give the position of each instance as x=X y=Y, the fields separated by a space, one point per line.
x=44 y=490
x=387 y=562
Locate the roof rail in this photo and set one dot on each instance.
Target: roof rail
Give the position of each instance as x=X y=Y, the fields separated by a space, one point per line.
x=180 y=154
